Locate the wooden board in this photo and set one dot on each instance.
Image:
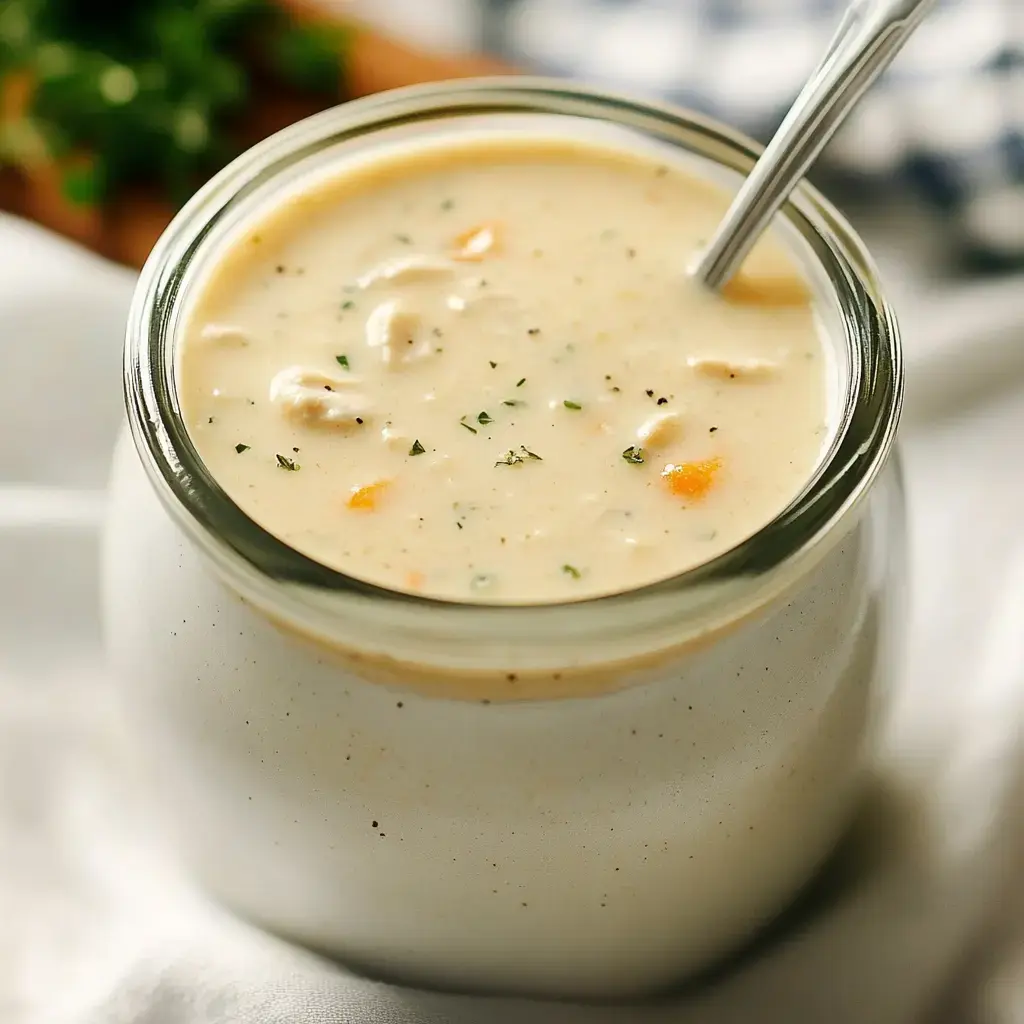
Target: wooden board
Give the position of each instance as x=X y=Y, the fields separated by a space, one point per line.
x=125 y=228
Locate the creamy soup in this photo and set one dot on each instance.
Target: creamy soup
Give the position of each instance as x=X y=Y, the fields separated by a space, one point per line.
x=479 y=372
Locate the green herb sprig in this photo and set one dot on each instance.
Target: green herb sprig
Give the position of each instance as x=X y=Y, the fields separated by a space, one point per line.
x=148 y=91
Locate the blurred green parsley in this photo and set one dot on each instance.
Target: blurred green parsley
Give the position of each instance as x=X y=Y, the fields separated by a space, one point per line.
x=148 y=88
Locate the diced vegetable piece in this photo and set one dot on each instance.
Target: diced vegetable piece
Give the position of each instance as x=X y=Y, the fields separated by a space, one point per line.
x=477 y=243
x=691 y=479
x=366 y=498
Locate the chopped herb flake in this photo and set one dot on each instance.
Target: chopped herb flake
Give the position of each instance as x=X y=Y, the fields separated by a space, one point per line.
x=634 y=454
x=650 y=393
x=512 y=402
x=521 y=382
x=285 y=463
x=533 y=330
x=516 y=458
x=348 y=304
x=575 y=406
x=417 y=448
x=242 y=448
x=342 y=362
x=463 y=423
x=510 y=458
x=662 y=400
x=484 y=418
x=448 y=204
x=493 y=364
x=571 y=570
x=404 y=239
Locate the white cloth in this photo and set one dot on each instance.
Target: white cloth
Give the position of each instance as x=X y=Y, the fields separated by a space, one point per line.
x=96 y=925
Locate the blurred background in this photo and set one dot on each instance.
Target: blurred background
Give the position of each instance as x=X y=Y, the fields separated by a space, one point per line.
x=158 y=94
x=113 y=111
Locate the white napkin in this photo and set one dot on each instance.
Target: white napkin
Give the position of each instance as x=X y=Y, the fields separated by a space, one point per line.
x=98 y=927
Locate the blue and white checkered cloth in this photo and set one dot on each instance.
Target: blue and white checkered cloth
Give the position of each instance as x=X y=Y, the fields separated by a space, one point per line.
x=947 y=118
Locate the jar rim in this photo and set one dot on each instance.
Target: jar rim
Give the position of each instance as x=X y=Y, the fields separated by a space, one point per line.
x=256 y=560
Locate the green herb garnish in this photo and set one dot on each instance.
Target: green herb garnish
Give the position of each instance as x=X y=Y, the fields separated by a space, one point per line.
x=520 y=382
x=494 y=365
x=242 y=448
x=417 y=448
x=510 y=458
x=285 y=463
x=463 y=423
x=516 y=458
x=348 y=304
x=342 y=362
x=571 y=570
x=575 y=406
x=512 y=402
x=484 y=418
x=634 y=454
x=152 y=92
x=404 y=239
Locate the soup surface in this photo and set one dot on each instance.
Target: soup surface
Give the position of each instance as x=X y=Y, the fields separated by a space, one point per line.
x=478 y=371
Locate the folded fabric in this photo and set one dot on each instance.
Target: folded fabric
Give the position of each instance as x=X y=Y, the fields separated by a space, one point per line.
x=948 y=116
x=97 y=925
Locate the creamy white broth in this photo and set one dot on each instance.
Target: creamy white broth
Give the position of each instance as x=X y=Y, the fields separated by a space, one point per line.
x=480 y=373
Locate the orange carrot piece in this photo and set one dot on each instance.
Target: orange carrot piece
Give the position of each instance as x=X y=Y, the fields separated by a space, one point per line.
x=365 y=498
x=477 y=243
x=691 y=479
x=414 y=580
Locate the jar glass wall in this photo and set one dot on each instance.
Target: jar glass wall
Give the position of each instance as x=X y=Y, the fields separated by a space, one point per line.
x=593 y=798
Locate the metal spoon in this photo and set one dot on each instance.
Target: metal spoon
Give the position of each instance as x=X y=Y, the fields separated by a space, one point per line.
x=869 y=36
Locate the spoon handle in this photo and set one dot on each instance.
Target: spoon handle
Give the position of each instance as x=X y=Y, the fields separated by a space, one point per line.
x=869 y=36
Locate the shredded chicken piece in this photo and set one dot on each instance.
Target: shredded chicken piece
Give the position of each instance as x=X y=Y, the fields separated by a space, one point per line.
x=406 y=270
x=314 y=398
x=733 y=369
x=395 y=331
x=660 y=429
x=397 y=440
x=224 y=334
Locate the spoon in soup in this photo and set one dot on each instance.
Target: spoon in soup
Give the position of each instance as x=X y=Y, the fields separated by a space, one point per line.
x=871 y=33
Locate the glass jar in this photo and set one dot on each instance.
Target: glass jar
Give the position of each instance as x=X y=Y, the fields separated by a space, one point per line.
x=587 y=799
